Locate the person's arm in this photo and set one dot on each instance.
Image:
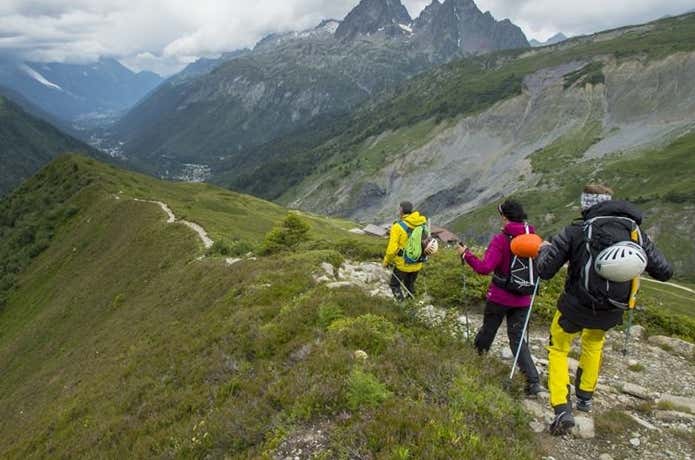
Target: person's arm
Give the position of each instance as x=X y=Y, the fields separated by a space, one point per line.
x=392 y=248
x=657 y=266
x=492 y=257
x=555 y=254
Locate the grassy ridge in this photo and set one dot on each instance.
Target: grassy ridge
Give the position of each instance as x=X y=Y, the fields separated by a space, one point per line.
x=117 y=341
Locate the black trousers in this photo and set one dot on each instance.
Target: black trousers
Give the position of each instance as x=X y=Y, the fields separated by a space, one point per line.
x=408 y=280
x=492 y=319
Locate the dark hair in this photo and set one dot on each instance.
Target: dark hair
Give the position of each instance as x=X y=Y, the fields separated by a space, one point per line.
x=406 y=207
x=512 y=210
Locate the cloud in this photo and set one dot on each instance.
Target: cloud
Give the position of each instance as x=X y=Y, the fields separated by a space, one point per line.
x=164 y=35
x=543 y=18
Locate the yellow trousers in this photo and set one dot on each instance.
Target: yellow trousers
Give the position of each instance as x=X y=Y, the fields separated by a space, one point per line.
x=592 y=341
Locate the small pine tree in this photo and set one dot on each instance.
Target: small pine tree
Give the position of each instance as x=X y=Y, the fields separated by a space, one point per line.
x=287 y=235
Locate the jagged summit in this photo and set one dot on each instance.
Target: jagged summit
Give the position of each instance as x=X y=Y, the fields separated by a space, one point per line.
x=372 y=16
x=459 y=26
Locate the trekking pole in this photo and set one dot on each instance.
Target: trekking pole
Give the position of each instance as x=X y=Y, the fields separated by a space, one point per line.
x=523 y=332
x=403 y=286
x=465 y=307
x=630 y=315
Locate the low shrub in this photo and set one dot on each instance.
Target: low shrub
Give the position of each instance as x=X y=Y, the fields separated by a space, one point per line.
x=365 y=390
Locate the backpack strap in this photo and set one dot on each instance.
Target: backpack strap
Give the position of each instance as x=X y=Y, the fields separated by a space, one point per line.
x=405 y=227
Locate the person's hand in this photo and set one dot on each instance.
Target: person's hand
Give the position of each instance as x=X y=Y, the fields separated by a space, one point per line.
x=461 y=249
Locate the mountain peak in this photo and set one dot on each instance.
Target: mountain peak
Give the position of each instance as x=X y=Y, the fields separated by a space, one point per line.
x=458 y=26
x=371 y=16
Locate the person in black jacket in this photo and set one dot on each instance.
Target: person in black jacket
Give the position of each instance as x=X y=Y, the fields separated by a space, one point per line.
x=578 y=312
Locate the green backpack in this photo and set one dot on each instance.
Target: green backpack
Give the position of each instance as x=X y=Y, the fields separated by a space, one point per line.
x=418 y=237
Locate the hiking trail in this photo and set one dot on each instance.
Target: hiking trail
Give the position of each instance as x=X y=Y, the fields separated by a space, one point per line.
x=677 y=286
x=644 y=405
x=171 y=219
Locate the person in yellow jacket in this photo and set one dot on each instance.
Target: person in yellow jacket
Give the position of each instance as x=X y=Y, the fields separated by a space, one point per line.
x=404 y=274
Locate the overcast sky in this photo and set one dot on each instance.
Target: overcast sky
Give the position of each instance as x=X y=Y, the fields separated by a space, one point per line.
x=164 y=35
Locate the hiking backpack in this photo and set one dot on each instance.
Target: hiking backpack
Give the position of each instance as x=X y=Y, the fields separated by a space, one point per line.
x=523 y=275
x=418 y=238
x=600 y=233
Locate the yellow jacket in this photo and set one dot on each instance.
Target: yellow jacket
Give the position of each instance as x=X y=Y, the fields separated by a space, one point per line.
x=397 y=241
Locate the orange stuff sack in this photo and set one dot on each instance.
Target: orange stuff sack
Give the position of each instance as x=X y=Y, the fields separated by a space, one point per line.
x=526 y=245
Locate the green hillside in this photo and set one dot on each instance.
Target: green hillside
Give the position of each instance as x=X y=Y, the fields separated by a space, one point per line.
x=445 y=94
x=121 y=336
x=118 y=340
x=27 y=143
x=659 y=181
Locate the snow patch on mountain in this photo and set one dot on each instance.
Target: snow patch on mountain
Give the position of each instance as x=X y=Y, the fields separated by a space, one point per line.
x=40 y=78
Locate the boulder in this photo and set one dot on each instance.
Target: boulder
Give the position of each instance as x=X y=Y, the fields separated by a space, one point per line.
x=328 y=268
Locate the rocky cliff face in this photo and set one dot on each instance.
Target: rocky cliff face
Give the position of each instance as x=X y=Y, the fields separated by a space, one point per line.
x=459 y=26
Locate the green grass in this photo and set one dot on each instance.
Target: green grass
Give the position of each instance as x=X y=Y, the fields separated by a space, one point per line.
x=117 y=341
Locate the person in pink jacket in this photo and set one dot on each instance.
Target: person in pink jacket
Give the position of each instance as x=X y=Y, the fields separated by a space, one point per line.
x=502 y=304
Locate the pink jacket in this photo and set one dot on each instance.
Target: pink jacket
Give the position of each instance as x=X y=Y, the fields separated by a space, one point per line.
x=497 y=258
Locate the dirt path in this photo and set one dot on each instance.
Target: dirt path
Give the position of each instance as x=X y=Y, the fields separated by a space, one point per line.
x=171 y=218
x=677 y=286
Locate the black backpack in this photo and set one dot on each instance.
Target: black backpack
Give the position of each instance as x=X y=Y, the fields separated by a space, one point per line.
x=600 y=233
x=523 y=274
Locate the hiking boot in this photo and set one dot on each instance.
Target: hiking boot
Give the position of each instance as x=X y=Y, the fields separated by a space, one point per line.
x=584 y=405
x=563 y=422
x=532 y=389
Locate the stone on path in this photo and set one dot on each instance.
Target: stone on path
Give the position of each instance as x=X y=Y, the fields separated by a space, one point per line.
x=679 y=403
x=643 y=423
x=338 y=284
x=672 y=416
x=605 y=457
x=536 y=426
x=678 y=346
x=573 y=365
x=534 y=408
x=583 y=427
x=635 y=442
x=635 y=390
x=637 y=332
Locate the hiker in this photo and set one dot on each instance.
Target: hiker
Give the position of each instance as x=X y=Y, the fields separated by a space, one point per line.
x=405 y=272
x=501 y=303
x=590 y=305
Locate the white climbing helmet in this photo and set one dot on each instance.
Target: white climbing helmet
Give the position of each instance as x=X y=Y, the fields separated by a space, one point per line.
x=432 y=247
x=621 y=262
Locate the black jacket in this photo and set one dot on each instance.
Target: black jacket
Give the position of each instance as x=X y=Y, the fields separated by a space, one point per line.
x=568 y=246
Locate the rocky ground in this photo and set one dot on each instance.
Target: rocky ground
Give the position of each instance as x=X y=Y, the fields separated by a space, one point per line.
x=644 y=406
